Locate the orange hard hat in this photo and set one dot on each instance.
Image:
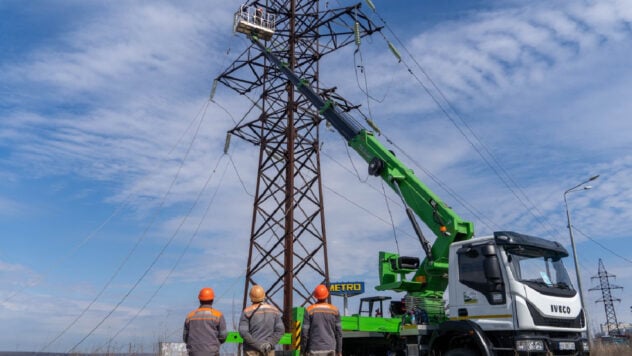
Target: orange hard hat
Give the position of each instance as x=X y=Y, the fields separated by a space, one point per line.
x=321 y=292
x=257 y=294
x=206 y=294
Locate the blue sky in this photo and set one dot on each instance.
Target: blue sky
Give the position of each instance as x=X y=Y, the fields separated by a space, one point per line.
x=115 y=195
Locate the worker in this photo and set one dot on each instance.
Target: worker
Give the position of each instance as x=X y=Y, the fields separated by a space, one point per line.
x=259 y=16
x=321 y=333
x=260 y=325
x=205 y=327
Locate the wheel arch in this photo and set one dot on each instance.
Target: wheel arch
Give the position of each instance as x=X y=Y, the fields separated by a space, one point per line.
x=460 y=334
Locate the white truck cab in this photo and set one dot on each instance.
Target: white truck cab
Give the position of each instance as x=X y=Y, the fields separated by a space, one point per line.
x=517 y=290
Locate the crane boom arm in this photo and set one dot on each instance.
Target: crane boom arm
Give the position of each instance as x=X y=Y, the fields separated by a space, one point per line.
x=431 y=276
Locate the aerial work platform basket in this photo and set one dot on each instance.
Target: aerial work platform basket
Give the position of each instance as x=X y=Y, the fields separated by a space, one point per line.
x=254 y=21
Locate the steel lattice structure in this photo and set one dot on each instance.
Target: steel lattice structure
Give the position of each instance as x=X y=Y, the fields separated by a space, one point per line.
x=612 y=325
x=288 y=245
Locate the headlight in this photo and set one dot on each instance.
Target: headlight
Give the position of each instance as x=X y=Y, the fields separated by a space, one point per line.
x=529 y=345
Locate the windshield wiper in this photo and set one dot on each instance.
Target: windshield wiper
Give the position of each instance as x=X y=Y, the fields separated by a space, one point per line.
x=537 y=281
x=563 y=285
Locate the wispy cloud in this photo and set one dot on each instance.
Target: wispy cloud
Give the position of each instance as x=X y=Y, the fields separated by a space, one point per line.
x=506 y=50
x=114 y=93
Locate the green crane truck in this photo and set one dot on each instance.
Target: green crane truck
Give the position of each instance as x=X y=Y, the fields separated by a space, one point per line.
x=508 y=293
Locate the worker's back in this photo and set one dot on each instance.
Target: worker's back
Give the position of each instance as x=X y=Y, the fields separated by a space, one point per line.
x=260 y=323
x=204 y=331
x=321 y=328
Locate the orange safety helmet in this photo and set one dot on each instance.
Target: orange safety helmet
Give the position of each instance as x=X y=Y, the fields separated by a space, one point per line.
x=206 y=295
x=257 y=294
x=321 y=292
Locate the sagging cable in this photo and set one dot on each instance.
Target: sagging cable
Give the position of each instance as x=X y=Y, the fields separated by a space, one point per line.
x=413 y=220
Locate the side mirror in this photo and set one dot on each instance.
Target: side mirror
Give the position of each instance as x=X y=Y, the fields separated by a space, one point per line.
x=495 y=286
x=492 y=269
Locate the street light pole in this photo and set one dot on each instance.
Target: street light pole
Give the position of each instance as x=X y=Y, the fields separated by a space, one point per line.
x=570 y=231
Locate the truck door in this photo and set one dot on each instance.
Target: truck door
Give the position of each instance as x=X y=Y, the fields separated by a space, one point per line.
x=479 y=293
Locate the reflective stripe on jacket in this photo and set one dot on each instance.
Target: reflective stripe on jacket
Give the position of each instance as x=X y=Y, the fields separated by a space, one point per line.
x=260 y=323
x=204 y=330
x=321 y=328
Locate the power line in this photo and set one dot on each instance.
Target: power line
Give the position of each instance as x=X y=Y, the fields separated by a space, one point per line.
x=139 y=240
x=500 y=172
x=71 y=253
x=449 y=111
x=126 y=201
x=602 y=245
x=471 y=208
x=390 y=215
x=349 y=200
x=241 y=181
x=184 y=251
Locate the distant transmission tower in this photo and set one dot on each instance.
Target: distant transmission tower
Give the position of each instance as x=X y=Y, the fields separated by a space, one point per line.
x=288 y=245
x=612 y=325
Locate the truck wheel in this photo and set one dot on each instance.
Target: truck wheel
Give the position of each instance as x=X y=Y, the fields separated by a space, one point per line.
x=460 y=352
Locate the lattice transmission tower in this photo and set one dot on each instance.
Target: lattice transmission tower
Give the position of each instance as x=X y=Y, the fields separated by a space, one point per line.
x=612 y=325
x=288 y=245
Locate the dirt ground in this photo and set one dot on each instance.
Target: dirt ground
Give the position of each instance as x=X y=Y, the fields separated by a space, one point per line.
x=600 y=349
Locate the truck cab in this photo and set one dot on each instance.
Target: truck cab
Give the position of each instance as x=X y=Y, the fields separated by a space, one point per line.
x=517 y=291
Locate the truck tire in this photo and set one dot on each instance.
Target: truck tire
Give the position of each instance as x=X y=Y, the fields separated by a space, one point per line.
x=460 y=352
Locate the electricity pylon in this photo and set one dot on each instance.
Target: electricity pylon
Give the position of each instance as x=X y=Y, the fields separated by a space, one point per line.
x=612 y=325
x=288 y=245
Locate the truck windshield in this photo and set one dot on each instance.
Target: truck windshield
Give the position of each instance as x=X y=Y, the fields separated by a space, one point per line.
x=538 y=271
